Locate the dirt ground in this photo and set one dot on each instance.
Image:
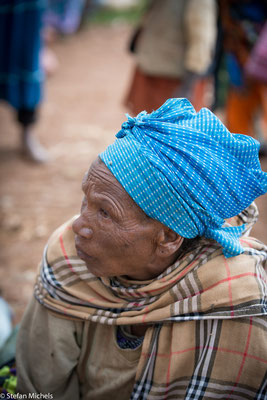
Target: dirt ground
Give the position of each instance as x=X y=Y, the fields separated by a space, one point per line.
x=81 y=112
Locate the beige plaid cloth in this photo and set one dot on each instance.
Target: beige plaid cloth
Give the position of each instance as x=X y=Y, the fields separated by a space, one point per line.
x=206 y=314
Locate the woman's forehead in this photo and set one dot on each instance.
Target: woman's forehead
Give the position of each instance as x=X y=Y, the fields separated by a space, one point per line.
x=100 y=179
x=99 y=174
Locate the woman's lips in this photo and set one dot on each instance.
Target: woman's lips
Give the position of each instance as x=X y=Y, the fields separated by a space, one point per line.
x=84 y=256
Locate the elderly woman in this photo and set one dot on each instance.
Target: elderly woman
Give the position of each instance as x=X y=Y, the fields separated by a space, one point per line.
x=149 y=293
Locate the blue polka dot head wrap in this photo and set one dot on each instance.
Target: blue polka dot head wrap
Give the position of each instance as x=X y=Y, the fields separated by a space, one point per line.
x=186 y=170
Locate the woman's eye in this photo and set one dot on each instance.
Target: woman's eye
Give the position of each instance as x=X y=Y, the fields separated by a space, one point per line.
x=104 y=213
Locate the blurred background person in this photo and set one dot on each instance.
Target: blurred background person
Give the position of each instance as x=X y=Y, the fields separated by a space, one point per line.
x=65 y=16
x=21 y=74
x=61 y=18
x=246 y=103
x=174 y=48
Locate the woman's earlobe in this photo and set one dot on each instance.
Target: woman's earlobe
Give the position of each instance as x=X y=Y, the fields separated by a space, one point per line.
x=174 y=245
x=169 y=242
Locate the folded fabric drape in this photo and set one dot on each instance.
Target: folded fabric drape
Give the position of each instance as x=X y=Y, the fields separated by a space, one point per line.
x=188 y=171
x=202 y=311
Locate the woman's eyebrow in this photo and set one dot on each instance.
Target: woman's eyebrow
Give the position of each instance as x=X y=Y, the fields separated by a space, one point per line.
x=109 y=202
x=102 y=197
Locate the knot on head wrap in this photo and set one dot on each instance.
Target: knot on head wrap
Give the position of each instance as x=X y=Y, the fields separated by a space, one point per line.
x=186 y=170
x=130 y=123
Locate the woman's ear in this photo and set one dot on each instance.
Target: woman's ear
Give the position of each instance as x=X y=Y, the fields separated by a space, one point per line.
x=169 y=242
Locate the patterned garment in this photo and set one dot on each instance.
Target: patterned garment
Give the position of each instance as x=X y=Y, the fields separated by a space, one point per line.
x=186 y=170
x=127 y=341
x=208 y=333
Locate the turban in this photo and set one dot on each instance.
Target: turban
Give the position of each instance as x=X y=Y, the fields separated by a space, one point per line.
x=186 y=170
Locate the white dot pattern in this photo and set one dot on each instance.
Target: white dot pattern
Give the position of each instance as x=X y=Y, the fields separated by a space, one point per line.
x=187 y=170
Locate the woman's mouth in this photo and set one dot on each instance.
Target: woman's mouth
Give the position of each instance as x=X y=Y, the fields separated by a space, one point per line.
x=81 y=254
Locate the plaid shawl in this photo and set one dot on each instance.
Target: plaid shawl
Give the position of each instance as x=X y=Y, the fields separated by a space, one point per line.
x=206 y=338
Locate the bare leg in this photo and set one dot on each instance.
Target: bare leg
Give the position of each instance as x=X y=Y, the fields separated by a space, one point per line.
x=31 y=147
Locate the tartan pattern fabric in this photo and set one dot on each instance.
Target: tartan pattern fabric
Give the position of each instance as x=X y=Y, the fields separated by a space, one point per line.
x=207 y=359
x=188 y=171
x=206 y=315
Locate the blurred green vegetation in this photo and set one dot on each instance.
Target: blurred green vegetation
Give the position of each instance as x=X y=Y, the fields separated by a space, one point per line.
x=108 y=15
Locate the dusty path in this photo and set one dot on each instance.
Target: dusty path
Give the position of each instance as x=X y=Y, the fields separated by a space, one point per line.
x=81 y=112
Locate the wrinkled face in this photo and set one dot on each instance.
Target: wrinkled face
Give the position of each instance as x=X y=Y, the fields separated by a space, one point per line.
x=113 y=235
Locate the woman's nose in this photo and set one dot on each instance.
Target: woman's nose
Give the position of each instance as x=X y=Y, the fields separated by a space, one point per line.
x=81 y=229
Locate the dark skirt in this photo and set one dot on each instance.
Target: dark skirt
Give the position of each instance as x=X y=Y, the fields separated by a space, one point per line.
x=21 y=76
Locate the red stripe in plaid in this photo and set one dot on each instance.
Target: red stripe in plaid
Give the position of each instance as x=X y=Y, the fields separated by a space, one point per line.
x=222 y=349
x=231 y=278
x=146 y=313
x=229 y=286
x=181 y=274
x=70 y=265
x=240 y=354
x=244 y=357
x=228 y=279
x=65 y=309
x=64 y=253
x=169 y=370
x=247 y=243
